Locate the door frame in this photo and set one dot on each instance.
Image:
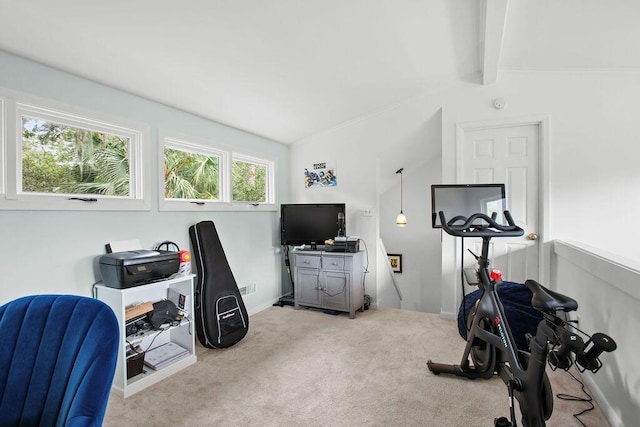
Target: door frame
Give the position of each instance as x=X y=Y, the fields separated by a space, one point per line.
x=543 y=123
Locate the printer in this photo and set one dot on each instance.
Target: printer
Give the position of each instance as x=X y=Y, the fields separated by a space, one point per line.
x=132 y=268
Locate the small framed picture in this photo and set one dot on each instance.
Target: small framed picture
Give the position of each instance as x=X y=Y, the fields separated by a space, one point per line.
x=396 y=262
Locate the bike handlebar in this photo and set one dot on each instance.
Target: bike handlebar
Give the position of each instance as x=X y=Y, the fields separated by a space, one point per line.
x=468 y=229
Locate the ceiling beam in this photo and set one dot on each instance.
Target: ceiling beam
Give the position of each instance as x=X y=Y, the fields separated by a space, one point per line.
x=495 y=20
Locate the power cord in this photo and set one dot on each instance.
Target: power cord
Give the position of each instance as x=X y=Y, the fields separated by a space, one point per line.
x=94 y=291
x=344 y=273
x=366 y=268
x=588 y=399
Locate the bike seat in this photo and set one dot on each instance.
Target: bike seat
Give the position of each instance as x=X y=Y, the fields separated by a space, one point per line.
x=546 y=300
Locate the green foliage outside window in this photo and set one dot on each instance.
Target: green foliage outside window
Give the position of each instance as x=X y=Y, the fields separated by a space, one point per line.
x=61 y=159
x=195 y=176
x=249 y=182
x=190 y=175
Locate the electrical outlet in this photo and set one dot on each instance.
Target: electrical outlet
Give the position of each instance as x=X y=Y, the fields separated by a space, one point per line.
x=367 y=212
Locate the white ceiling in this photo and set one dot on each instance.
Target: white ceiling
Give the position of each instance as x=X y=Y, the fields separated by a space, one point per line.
x=287 y=69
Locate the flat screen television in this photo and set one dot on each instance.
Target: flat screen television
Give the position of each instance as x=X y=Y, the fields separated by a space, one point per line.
x=466 y=200
x=311 y=224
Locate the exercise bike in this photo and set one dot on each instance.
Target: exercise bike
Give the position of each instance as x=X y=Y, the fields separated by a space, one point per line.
x=490 y=343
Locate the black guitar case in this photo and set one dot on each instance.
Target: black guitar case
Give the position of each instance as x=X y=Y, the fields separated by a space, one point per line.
x=220 y=314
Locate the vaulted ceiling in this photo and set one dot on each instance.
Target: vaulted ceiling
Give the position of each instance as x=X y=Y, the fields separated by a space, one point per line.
x=287 y=69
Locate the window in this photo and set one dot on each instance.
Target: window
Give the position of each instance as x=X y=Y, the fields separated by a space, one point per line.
x=61 y=158
x=191 y=173
x=198 y=176
x=251 y=180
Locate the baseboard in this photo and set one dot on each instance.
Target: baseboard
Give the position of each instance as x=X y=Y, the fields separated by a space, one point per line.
x=609 y=412
x=254 y=310
x=447 y=315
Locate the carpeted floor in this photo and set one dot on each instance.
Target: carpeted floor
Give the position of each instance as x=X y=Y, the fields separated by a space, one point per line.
x=308 y=368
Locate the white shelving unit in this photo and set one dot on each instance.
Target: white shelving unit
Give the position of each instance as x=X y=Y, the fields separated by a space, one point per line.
x=182 y=334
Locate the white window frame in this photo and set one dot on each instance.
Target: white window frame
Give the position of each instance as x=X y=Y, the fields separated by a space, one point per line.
x=270 y=184
x=204 y=146
x=196 y=146
x=16 y=105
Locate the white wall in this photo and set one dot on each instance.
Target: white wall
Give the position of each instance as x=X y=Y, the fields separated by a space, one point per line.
x=403 y=136
x=593 y=149
x=593 y=146
x=55 y=252
x=578 y=268
x=420 y=278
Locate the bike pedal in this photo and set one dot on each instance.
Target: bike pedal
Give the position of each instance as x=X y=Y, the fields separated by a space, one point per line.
x=502 y=422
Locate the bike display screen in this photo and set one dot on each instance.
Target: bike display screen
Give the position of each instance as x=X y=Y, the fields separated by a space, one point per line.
x=466 y=200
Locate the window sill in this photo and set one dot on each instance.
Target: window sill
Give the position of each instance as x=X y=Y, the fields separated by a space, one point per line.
x=184 y=206
x=64 y=203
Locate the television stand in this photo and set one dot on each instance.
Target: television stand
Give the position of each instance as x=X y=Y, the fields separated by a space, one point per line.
x=329 y=280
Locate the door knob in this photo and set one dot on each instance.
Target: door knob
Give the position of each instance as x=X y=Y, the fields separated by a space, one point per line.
x=532 y=236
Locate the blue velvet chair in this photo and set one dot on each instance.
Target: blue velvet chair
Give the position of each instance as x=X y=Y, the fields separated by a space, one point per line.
x=57 y=360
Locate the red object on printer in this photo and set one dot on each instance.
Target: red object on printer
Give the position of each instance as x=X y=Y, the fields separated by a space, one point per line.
x=185 y=262
x=185 y=256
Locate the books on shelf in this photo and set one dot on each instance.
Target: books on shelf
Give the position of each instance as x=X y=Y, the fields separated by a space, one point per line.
x=163 y=355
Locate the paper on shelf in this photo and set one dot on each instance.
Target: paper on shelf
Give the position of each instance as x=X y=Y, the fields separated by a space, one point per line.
x=125 y=245
x=163 y=355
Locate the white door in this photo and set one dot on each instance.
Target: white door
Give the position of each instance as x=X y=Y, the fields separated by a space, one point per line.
x=507 y=155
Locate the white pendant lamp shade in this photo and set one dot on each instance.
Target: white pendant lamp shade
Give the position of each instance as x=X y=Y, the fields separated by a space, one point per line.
x=401 y=219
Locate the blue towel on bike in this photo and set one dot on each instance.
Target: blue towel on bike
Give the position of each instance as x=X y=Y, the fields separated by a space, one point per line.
x=516 y=300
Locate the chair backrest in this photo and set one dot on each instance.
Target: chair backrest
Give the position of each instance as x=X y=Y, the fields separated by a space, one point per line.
x=57 y=360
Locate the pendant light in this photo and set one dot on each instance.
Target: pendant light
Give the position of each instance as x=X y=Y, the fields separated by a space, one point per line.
x=401 y=219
